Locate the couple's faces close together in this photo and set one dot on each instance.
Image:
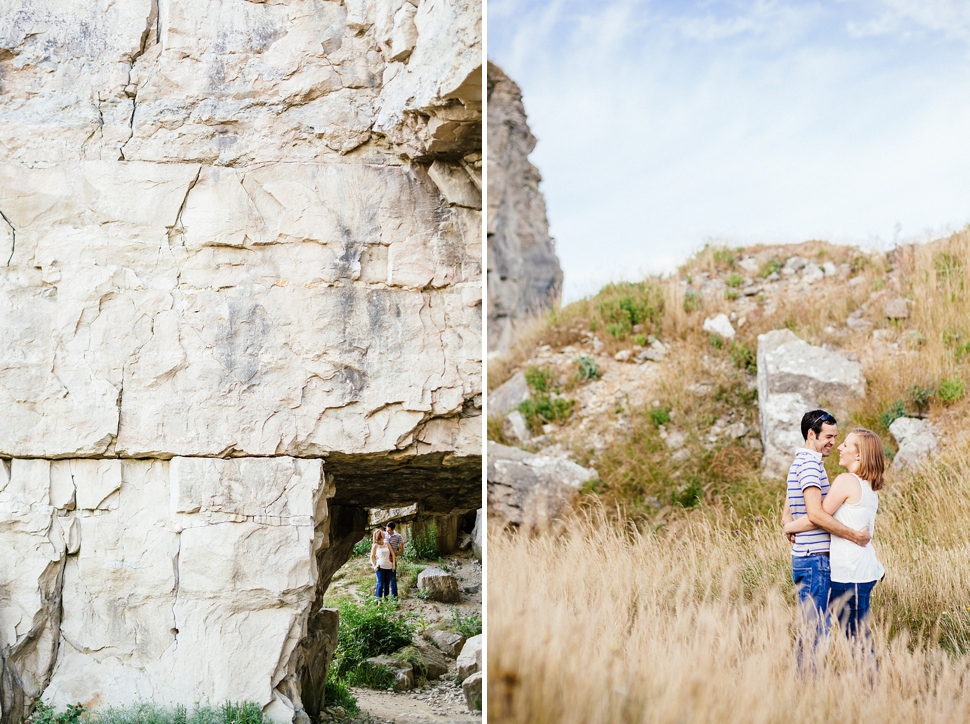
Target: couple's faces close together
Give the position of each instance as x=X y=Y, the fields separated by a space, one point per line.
x=823 y=442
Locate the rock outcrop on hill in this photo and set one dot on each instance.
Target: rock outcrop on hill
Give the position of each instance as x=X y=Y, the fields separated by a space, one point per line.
x=240 y=293
x=524 y=276
x=793 y=378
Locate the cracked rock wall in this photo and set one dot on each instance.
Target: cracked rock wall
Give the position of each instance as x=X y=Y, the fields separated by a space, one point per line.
x=240 y=261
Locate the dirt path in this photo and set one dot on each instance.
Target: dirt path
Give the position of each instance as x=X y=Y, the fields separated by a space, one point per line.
x=440 y=701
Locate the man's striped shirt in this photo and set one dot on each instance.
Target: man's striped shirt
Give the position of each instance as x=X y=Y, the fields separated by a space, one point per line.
x=396 y=540
x=807 y=471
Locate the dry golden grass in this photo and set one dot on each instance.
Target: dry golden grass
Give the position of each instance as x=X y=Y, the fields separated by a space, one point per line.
x=605 y=623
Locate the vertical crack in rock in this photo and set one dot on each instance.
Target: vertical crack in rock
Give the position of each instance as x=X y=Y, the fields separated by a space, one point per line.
x=150 y=36
x=178 y=216
x=175 y=595
x=13 y=237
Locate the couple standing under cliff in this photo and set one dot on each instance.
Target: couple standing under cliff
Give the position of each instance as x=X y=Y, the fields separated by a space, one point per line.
x=834 y=565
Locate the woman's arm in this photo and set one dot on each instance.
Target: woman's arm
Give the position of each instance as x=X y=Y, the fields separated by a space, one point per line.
x=393 y=557
x=373 y=554
x=843 y=487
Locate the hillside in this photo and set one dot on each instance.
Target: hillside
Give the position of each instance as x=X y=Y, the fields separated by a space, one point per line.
x=671 y=421
x=674 y=578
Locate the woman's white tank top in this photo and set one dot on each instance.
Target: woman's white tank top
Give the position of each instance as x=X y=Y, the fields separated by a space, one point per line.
x=852 y=563
x=383 y=556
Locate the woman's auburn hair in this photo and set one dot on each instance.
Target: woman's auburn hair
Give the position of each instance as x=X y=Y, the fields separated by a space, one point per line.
x=378 y=536
x=872 y=457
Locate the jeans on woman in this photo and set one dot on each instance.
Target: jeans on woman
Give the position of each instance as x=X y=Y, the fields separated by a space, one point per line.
x=383 y=582
x=851 y=602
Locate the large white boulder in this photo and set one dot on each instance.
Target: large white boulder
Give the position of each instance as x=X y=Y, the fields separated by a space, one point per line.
x=470 y=659
x=916 y=441
x=793 y=378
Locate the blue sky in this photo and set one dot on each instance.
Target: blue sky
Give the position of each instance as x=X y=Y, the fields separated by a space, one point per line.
x=666 y=125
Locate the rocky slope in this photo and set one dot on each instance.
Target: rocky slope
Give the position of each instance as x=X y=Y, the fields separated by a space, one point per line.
x=241 y=301
x=673 y=414
x=524 y=277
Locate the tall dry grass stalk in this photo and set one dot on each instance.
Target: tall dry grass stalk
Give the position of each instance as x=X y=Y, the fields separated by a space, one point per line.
x=604 y=623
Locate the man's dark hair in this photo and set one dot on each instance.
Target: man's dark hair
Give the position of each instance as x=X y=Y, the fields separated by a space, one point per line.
x=392 y=526
x=814 y=420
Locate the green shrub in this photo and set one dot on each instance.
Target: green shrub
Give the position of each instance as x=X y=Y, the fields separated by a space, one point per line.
x=716 y=341
x=892 y=413
x=467 y=626
x=725 y=257
x=731 y=294
x=588 y=369
x=422 y=547
x=147 y=712
x=367 y=630
x=545 y=409
x=769 y=268
x=920 y=396
x=659 y=415
x=338 y=694
x=362 y=547
x=373 y=677
x=640 y=340
x=950 y=390
x=539 y=379
x=626 y=304
x=744 y=357
x=735 y=280
x=45 y=714
x=410 y=655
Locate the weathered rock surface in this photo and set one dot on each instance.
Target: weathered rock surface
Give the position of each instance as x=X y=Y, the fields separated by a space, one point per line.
x=478 y=534
x=509 y=395
x=896 y=308
x=719 y=325
x=435 y=664
x=470 y=658
x=447 y=642
x=240 y=293
x=916 y=441
x=439 y=585
x=793 y=378
x=524 y=276
x=531 y=491
x=472 y=686
x=515 y=427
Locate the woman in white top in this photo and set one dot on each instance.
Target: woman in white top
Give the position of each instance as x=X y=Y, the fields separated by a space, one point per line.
x=853 y=501
x=383 y=560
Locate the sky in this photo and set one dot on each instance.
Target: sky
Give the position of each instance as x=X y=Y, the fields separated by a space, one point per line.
x=664 y=126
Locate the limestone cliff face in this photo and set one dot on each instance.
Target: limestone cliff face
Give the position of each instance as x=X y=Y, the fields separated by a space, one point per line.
x=240 y=298
x=523 y=271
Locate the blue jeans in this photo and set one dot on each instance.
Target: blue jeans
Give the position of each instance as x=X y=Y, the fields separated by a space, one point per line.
x=383 y=582
x=394 y=582
x=851 y=603
x=812 y=577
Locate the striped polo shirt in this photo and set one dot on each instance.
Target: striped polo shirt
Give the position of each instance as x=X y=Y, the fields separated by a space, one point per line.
x=807 y=471
x=395 y=539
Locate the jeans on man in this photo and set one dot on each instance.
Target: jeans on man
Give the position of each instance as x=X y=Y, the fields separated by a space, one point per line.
x=383 y=583
x=812 y=577
x=394 y=582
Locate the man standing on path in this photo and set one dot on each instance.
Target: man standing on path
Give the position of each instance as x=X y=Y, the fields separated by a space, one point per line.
x=808 y=484
x=397 y=544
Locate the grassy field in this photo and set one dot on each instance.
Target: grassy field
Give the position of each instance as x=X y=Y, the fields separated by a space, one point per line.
x=668 y=597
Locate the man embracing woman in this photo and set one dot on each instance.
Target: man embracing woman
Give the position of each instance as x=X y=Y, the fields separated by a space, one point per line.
x=830 y=526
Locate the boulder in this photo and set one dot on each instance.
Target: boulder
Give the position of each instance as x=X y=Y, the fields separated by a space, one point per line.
x=472 y=688
x=434 y=662
x=719 y=325
x=508 y=395
x=793 y=378
x=896 y=308
x=470 y=659
x=516 y=428
x=531 y=491
x=916 y=441
x=402 y=671
x=439 y=585
x=448 y=642
x=478 y=533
